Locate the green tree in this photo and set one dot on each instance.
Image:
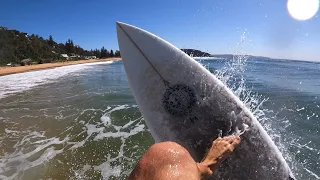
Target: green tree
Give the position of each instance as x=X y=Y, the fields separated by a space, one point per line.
x=103 y=52
x=61 y=48
x=97 y=53
x=51 y=41
x=79 y=50
x=117 y=54
x=69 y=46
x=111 y=53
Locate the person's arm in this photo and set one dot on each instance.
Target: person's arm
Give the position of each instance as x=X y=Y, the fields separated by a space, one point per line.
x=169 y=160
x=221 y=148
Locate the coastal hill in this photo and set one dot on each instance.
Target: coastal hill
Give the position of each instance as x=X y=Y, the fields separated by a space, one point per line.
x=19 y=47
x=22 y=48
x=196 y=53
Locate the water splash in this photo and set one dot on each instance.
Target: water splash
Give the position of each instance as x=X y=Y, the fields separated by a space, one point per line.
x=233 y=75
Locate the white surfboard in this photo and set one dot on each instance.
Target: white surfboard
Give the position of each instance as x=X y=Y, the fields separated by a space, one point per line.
x=181 y=101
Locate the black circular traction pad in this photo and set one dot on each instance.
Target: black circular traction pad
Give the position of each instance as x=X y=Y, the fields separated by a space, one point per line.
x=179 y=99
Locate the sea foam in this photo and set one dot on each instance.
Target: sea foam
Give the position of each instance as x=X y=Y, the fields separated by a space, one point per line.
x=20 y=82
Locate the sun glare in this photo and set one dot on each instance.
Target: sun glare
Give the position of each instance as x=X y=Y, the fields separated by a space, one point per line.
x=303 y=9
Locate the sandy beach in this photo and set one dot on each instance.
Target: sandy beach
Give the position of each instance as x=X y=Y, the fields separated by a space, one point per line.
x=20 y=69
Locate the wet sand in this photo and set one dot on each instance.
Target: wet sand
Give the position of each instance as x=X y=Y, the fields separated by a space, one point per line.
x=20 y=69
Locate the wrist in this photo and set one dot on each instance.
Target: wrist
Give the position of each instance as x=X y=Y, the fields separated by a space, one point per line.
x=209 y=163
x=204 y=170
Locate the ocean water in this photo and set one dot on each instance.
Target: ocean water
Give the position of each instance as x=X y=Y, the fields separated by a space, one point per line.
x=82 y=122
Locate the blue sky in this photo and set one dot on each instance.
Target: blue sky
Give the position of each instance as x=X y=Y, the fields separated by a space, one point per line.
x=215 y=26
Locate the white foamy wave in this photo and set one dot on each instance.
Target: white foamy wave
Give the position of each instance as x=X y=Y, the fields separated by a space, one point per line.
x=33 y=149
x=33 y=144
x=106 y=169
x=98 y=131
x=20 y=82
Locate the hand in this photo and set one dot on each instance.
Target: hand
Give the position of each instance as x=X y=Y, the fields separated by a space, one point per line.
x=221 y=148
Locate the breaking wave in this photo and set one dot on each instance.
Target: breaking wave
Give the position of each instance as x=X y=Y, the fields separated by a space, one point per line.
x=15 y=83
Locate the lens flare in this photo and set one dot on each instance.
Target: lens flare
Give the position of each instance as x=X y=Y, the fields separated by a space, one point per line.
x=303 y=9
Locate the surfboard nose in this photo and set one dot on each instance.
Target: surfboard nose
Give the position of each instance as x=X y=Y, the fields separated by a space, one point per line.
x=136 y=45
x=119 y=24
x=141 y=49
x=126 y=29
x=125 y=33
x=120 y=31
x=151 y=47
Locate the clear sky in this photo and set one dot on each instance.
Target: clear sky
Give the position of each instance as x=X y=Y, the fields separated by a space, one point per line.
x=215 y=26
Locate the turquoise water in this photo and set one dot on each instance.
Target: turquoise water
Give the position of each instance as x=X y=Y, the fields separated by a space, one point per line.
x=82 y=122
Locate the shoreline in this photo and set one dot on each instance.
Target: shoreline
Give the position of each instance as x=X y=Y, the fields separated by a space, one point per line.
x=21 y=69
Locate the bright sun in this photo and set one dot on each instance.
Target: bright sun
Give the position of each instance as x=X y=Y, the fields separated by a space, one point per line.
x=303 y=9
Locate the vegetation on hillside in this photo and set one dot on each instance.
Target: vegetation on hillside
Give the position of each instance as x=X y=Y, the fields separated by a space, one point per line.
x=196 y=53
x=16 y=46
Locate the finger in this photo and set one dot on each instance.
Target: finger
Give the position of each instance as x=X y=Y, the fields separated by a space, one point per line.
x=217 y=140
x=227 y=138
x=238 y=138
x=210 y=172
x=225 y=143
x=229 y=149
x=235 y=142
x=231 y=139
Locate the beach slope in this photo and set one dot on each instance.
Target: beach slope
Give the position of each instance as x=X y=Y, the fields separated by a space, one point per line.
x=20 y=69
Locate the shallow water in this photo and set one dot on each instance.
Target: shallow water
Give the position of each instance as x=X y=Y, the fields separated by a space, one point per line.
x=82 y=122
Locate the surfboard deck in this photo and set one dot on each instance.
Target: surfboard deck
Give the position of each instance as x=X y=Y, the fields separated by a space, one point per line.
x=181 y=101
